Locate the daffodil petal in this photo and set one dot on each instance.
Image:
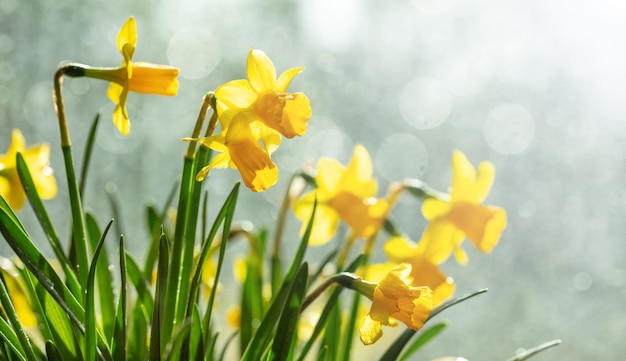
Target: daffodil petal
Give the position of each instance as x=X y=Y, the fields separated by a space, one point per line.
x=370 y=330
x=286 y=77
x=260 y=70
x=400 y=249
x=235 y=94
x=439 y=240
x=329 y=173
x=127 y=36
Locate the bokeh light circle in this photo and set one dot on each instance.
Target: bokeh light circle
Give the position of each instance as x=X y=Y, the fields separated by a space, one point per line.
x=425 y=103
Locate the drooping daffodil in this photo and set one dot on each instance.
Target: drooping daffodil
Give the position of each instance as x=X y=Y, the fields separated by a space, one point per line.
x=139 y=77
x=394 y=298
x=462 y=215
x=399 y=249
x=37 y=159
x=343 y=193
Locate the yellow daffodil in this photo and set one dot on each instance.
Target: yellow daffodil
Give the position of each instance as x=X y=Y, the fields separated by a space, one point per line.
x=343 y=193
x=264 y=98
x=139 y=77
x=462 y=215
x=239 y=149
x=37 y=159
x=424 y=273
x=394 y=297
x=19 y=299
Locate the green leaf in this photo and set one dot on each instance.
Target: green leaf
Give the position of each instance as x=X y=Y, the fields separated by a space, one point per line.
x=287 y=326
x=195 y=335
x=9 y=311
x=10 y=338
x=535 y=350
x=118 y=343
x=52 y=353
x=44 y=220
x=155 y=222
x=257 y=346
x=21 y=244
x=395 y=349
x=141 y=285
x=252 y=302
x=157 y=340
x=91 y=324
x=423 y=339
x=105 y=280
x=91 y=137
x=329 y=313
x=224 y=216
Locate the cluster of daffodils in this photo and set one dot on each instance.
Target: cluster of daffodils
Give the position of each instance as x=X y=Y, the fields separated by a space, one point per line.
x=72 y=308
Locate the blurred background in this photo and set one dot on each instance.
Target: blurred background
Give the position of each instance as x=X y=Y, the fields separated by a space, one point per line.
x=537 y=87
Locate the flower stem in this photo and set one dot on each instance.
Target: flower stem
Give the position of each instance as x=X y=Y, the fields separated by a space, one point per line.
x=78 y=220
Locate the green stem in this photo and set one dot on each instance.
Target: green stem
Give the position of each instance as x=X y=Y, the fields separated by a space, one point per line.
x=78 y=220
x=184 y=240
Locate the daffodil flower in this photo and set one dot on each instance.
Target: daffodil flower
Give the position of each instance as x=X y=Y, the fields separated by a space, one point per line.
x=239 y=149
x=37 y=159
x=394 y=297
x=402 y=250
x=343 y=193
x=264 y=98
x=19 y=298
x=139 y=77
x=462 y=215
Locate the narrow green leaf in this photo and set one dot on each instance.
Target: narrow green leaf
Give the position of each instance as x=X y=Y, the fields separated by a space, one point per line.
x=423 y=339
x=195 y=335
x=91 y=137
x=79 y=233
x=9 y=311
x=155 y=221
x=91 y=324
x=398 y=345
x=157 y=340
x=176 y=352
x=257 y=346
x=42 y=216
x=141 y=286
x=119 y=346
x=287 y=326
x=10 y=338
x=175 y=277
x=327 y=313
x=52 y=353
x=226 y=344
x=225 y=217
x=24 y=248
x=535 y=350
x=104 y=280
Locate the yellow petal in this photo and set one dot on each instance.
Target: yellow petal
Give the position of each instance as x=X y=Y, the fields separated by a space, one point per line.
x=325 y=225
x=481 y=224
x=286 y=113
x=18 y=144
x=358 y=175
x=425 y=273
x=286 y=77
x=37 y=160
x=434 y=208
x=329 y=173
x=127 y=35
x=253 y=162
x=261 y=71
x=235 y=94
x=400 y=249
x=439 y=240
x=151 y=78
x=370 y=330
x=365 y=216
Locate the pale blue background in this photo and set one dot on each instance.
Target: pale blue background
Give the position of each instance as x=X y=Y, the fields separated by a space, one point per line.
x=536 y=87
